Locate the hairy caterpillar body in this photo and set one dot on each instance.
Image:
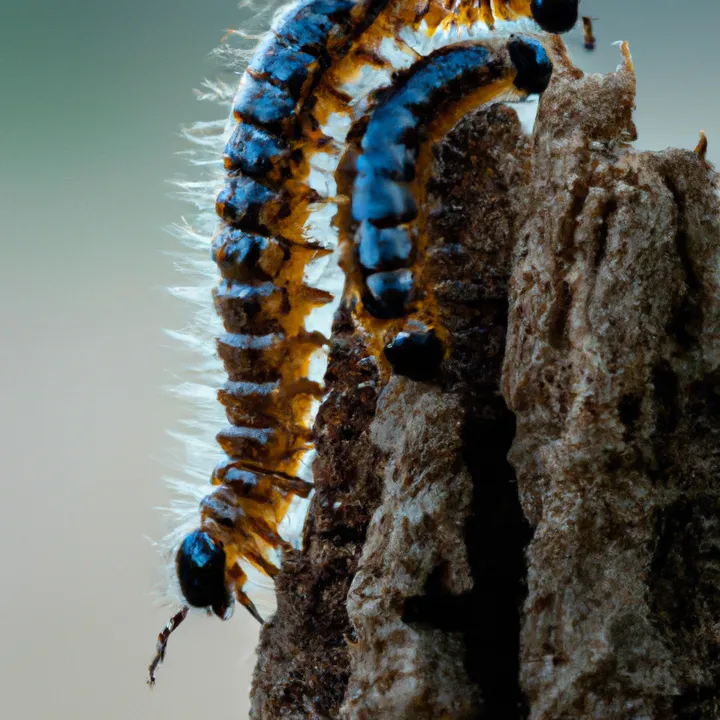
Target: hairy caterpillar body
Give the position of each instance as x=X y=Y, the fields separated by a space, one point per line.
x=392 y=161
x=332 y=80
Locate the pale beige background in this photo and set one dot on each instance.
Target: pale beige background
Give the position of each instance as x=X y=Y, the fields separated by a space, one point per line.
x=92 y=95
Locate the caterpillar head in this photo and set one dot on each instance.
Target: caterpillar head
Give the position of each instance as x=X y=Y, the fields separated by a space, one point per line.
x=532 y=63
x=555 y=16
x=416 y=355
x=200 y=565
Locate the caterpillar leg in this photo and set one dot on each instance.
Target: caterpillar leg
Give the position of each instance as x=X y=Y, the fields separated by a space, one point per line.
x=245 y=478
x=264 y=531
x=162 y=642
x=240 y=578
x=254 y=556
x=588 y=37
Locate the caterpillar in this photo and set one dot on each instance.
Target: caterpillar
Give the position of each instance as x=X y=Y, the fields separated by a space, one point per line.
x=392 y=160
x=334 y=83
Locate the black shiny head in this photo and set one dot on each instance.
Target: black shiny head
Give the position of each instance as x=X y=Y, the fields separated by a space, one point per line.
x=200 y=566
x=532 y=63
x=555 y=16
x=415 y=355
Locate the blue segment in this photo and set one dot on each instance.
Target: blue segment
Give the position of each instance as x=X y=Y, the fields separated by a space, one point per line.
x=393 y=133
x=237 y=253
x=254 y=150
x=263 y=103
x=309 y=31
x=287 y=67
x=395 y=161
x=309 y=27
x=419 y=90
x=250 y=294
x=389 y=294
x=244 y=481
x=391 y=125
x=242 y=199
x=386 y=249
x=244 y=437
x=382 y=201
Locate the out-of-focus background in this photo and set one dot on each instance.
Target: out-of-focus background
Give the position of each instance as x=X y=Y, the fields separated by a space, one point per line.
x=92 y=98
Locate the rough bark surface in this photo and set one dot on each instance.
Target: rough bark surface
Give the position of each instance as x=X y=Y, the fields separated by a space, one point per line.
x=302 y=668
x=436 y=598
x=612 y=370
x=579 y=282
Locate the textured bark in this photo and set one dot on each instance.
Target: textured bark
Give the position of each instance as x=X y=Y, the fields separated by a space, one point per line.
x=302 y=668
x=578 y=281
x=612 y=369
x=428 y=594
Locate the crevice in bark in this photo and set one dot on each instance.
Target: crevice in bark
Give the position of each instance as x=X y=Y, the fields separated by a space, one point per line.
x=496 y=537
x=629 y=409
x=609 y=210
x=687 y=320
x=665 y=405
x=685 y=571
x=666 y=390
x=570 y=219
x=475 y=269
x=437 y=607
x=697 y=704
x=559 y=330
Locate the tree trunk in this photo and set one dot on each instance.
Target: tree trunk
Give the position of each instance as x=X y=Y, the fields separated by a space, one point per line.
x=537 y=535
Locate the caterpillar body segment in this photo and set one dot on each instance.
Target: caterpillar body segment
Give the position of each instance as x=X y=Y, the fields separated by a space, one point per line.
x=327 y=158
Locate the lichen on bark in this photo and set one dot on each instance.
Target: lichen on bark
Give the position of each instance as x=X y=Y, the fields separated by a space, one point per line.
x=537 y=534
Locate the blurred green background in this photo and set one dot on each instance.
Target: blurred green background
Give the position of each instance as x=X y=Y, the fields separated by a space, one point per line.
x=92 y=98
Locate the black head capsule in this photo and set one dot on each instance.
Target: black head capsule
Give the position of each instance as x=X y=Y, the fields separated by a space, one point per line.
x=555 y=16
x=416 y=355
x=532 y=63
x=200 y=564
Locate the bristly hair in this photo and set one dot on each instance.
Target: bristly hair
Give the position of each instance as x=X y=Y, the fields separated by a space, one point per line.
x=198 y=452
